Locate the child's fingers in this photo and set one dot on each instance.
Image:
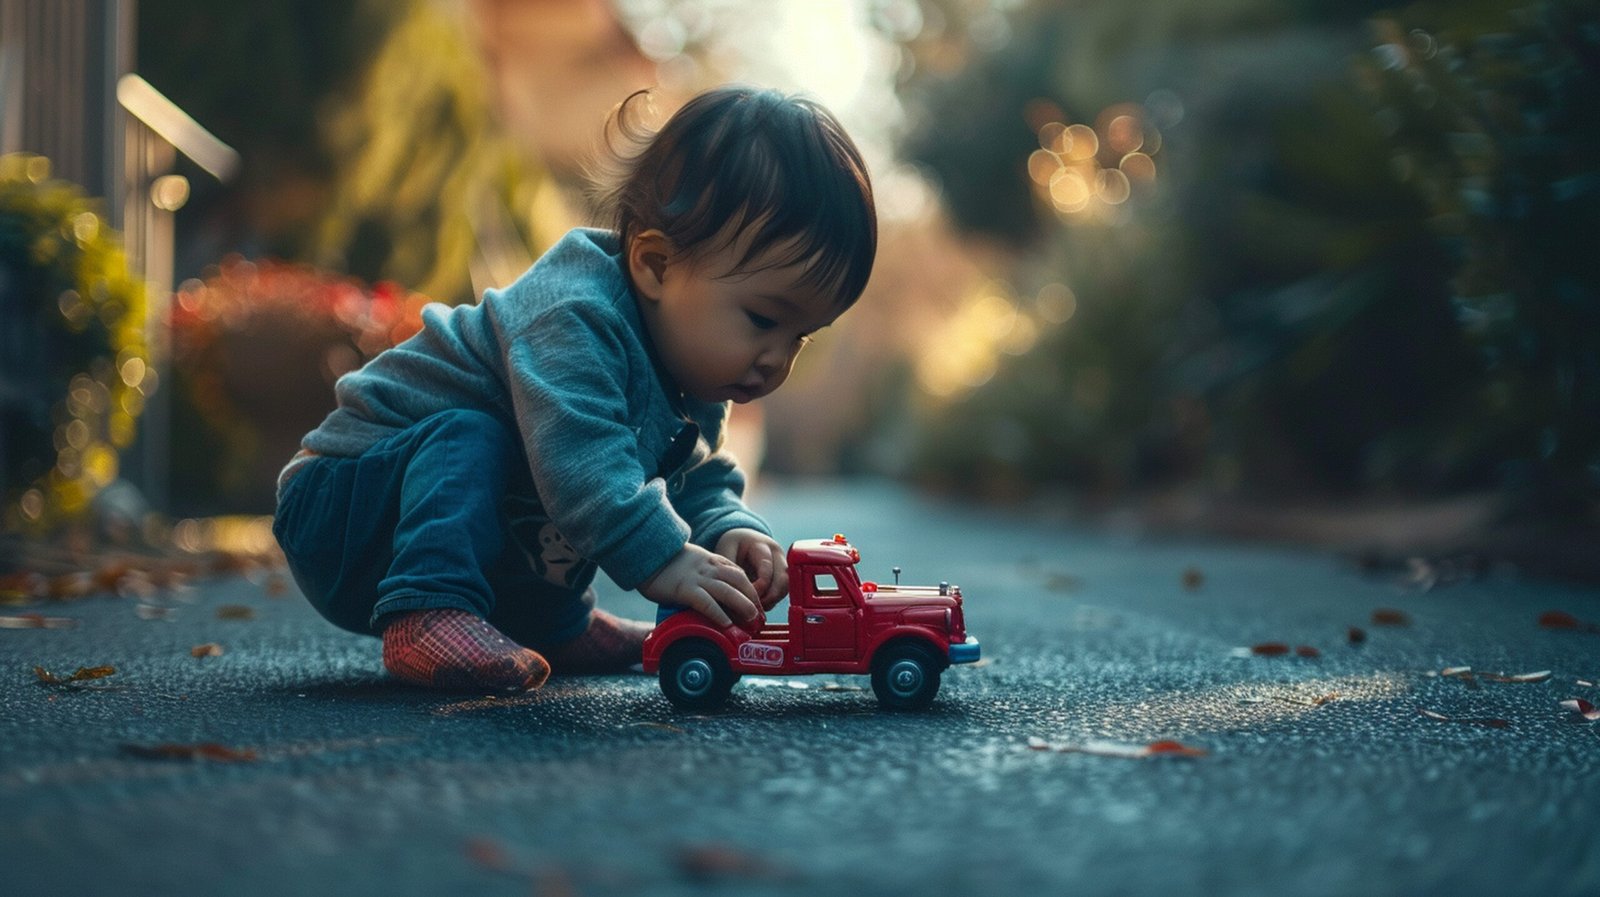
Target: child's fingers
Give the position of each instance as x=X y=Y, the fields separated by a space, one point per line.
x=740 y=604
x=699 y=599
x=762 y=580
x=780 y=580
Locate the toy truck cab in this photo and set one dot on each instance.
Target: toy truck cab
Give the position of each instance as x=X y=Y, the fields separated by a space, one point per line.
x=903 y=636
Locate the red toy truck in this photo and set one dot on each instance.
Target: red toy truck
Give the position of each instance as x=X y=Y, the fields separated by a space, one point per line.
x=904 y=636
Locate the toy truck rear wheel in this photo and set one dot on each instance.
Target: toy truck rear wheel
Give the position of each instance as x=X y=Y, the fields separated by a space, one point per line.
x=695 y=675
x=905 y=676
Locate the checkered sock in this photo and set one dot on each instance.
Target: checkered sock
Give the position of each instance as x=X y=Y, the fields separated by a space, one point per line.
x=453 y=649
x=610 y=645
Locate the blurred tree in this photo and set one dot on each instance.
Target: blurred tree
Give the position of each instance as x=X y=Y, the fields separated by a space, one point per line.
x=1255 y=294
x=429 y=192
x=1494 y=108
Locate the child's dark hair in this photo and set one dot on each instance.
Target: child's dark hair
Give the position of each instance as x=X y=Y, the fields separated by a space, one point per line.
x=751 y=158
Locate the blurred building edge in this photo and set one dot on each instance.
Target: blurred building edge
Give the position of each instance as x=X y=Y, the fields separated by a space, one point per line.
x=59 y=65
x=68 y=94
x=154 y=131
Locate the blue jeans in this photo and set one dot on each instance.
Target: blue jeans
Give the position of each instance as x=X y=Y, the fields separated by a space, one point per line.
x=435 y=516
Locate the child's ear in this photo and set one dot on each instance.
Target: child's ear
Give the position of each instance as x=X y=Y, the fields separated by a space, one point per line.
x=648 y=255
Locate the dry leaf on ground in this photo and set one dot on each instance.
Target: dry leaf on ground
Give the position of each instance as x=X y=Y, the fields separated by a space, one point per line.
x=1490 y=722
x=1467 y=675
x=1121 y=749
x=1581 y=707
x=81 y=674
x=235 y=612
x=209 y=649
x=36 y=621
x=707 y=862
x=1356 y=635
x=1560 y=619
x=1388 y=616
x=208 y=750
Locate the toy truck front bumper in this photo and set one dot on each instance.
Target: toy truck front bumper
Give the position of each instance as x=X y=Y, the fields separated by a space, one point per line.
x=966 y=652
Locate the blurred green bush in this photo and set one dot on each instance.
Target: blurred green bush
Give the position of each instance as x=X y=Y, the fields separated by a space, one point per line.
x=1249 y=226
x=73 y=360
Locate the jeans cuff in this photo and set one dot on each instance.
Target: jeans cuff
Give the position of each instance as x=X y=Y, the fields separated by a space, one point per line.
x=406 y=601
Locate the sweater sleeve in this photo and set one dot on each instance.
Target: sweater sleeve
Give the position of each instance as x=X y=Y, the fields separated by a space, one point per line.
x=711 y=492
x=571 y=408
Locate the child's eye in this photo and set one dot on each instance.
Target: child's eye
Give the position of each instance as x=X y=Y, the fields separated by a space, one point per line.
x=762 y=322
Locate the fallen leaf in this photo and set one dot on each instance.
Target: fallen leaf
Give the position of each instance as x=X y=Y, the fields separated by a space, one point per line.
x=36 y=621
x=490 y=854
x=665 y=727
x=275 y=585
x=1388 y=616
x=1540 y=676
x=706 y=862
x=81 y=674
x=1490 y=722
x=23 y=586
x=1120 y=749
x=235 y=612
x=1585 y=683
x=208 y=750
x=1560 y=619
x=71 y=585
x=1193 y=578
x=1270 y=649
x=1356 y=635
x=1172 y=748
x=1582 y=708
x=1307 y=651
x=209 y=649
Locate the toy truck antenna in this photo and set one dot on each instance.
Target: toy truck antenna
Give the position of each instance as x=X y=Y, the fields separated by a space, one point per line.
x=896 y=575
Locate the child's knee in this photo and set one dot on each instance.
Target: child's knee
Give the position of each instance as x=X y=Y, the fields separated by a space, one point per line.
x=476 y=436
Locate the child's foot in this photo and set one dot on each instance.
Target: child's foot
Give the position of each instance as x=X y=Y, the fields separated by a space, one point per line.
x=610 y=645
x=453 y=649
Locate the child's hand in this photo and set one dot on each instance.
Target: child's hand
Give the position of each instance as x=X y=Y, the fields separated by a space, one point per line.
x=761 y=559
x=706 y=582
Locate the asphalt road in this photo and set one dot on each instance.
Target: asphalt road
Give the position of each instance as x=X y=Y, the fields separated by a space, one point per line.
x=1320 y=775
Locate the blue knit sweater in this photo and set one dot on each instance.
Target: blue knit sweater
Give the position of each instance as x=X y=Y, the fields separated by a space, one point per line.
x=625 y=466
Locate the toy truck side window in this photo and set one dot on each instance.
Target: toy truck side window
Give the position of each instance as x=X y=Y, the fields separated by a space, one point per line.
x=825 y=591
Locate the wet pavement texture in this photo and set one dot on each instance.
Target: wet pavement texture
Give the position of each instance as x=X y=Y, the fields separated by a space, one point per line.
x=1320 y=777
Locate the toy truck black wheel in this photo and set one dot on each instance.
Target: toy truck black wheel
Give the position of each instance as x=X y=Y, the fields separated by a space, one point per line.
x=695 y=675
x=905 y=676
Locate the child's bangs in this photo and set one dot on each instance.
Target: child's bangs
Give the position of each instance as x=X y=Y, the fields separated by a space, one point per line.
x=803 y=192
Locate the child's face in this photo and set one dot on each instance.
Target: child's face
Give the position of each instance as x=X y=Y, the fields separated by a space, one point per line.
x=724 y=335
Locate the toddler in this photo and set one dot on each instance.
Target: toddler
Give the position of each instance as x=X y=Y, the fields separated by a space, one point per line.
x=473 y=479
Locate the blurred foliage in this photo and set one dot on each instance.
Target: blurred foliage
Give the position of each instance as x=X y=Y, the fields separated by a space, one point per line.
x=366 y=131
x=73 y=358
x=426 y=178
x=260 y=74
x=1258 y=297
x=1496 y=121
x=256 y=349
